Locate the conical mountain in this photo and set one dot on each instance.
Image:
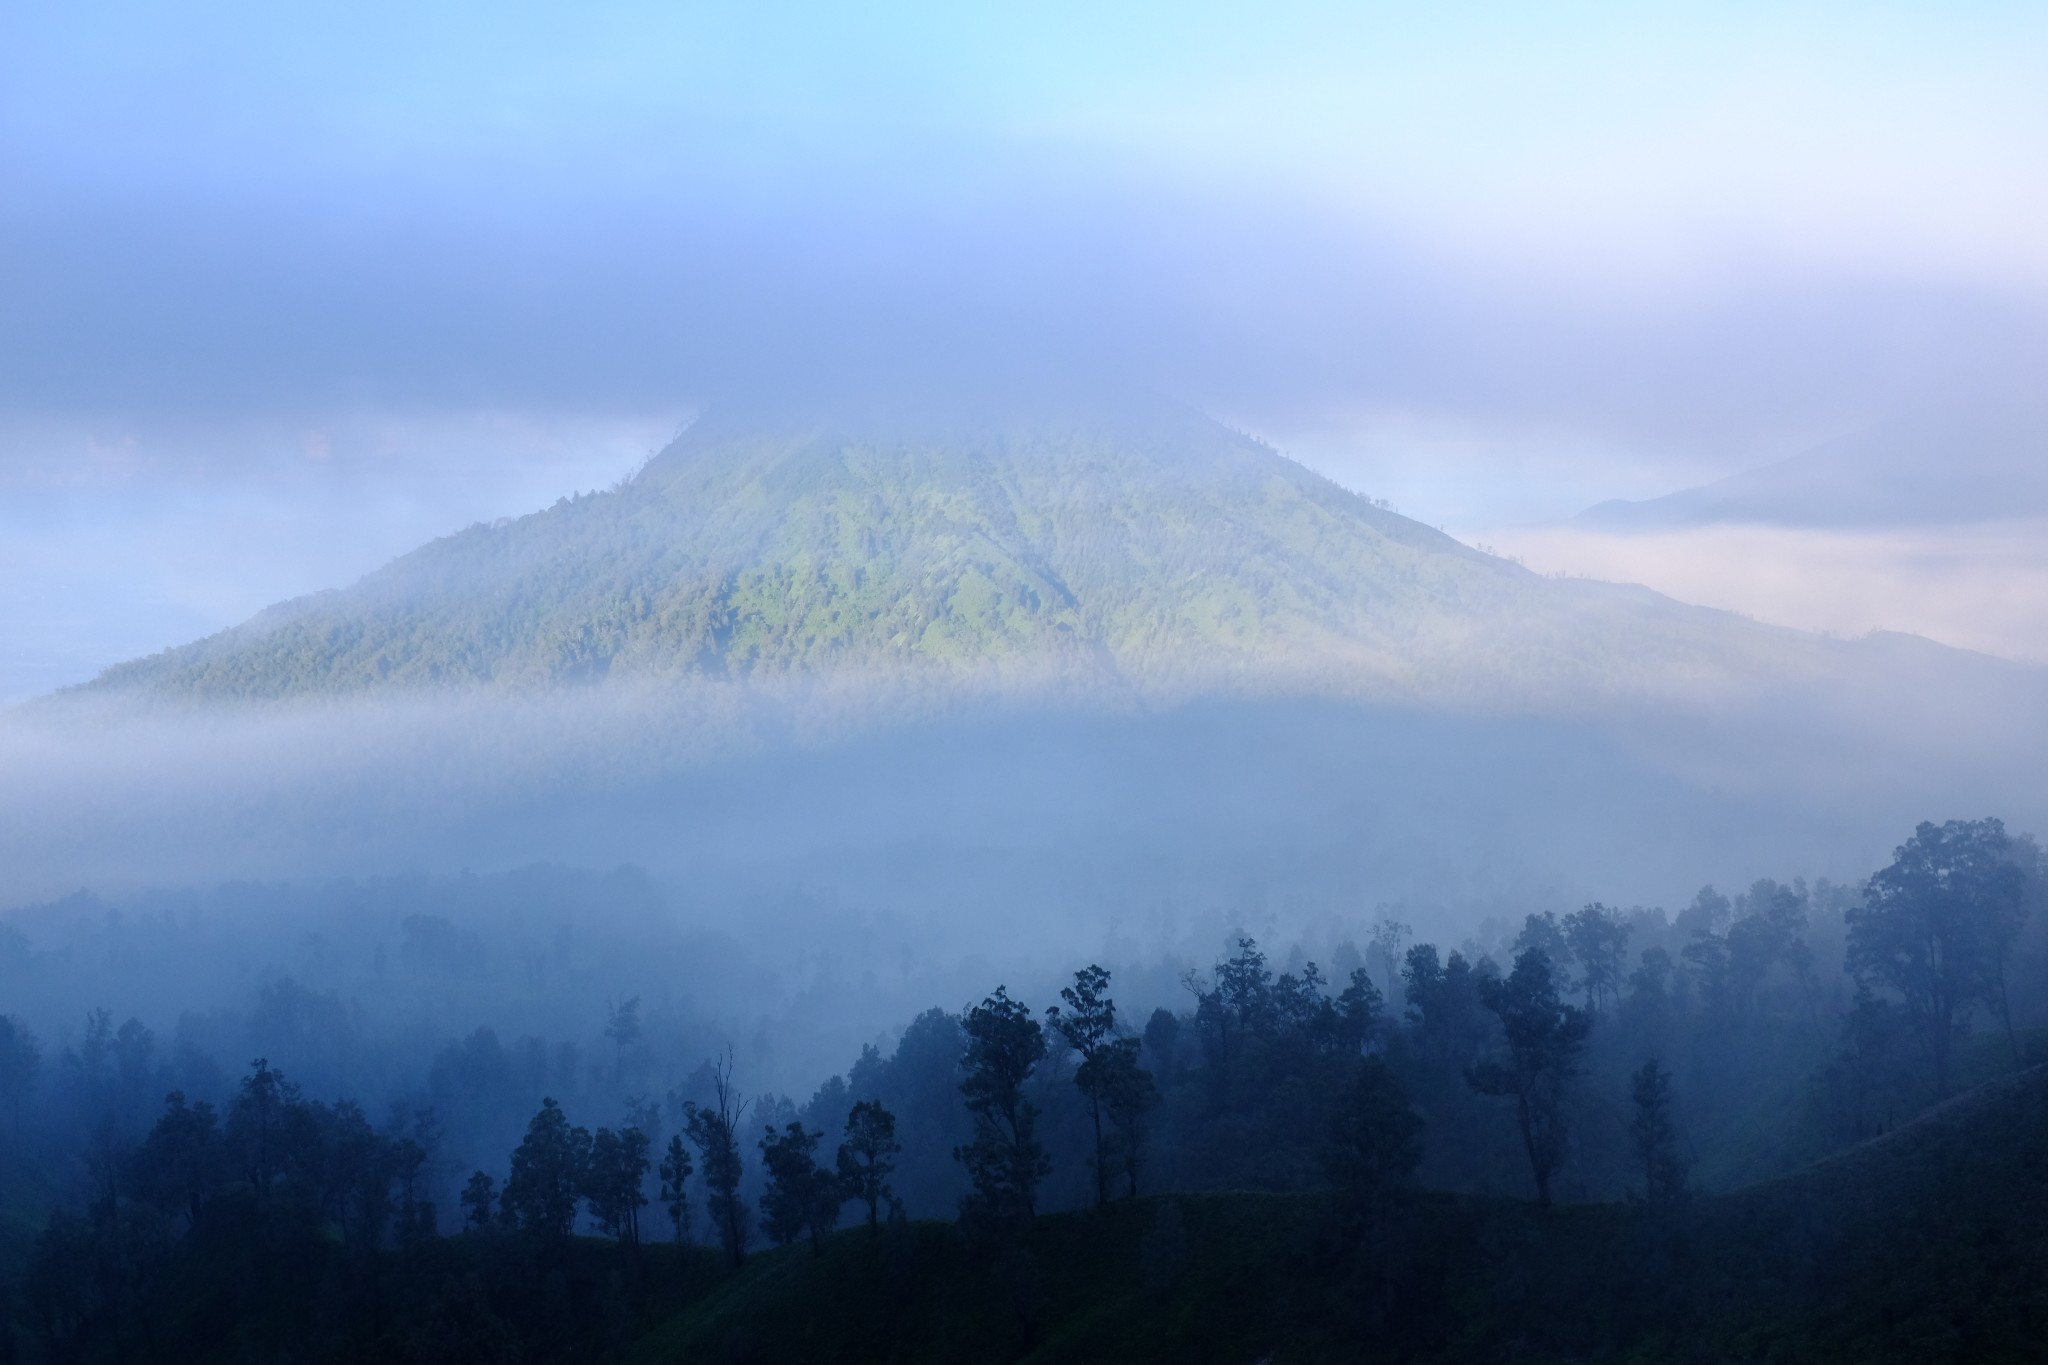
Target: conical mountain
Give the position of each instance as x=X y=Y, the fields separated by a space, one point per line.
x=1134 y=546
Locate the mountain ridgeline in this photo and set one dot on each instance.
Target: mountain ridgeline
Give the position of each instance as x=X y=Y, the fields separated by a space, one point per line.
x=1137 y=549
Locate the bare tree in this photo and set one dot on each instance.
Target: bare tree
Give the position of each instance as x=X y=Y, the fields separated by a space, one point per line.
x=714 y=1130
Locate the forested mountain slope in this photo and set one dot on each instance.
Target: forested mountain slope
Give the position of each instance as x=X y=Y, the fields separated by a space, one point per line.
x=1141 y=549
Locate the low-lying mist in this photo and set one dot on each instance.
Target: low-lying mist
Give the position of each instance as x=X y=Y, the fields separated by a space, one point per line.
x=1240 y=798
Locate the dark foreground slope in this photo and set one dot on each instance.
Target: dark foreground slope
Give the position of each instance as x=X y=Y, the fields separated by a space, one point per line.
x=1930 y=1244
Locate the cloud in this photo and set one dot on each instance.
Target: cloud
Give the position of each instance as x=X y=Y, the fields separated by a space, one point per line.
x=1677 y=232
x=1979 y=586
x=1497 y=265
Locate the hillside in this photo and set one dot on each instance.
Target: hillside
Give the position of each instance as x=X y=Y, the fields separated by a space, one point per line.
x=1921 y=470
x=1142 y=549
x=1928 y=1244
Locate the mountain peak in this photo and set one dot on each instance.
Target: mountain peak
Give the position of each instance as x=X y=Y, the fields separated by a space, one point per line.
x=1130 y=545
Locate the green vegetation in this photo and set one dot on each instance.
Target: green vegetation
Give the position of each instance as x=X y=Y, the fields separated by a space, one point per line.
x=1154 y=552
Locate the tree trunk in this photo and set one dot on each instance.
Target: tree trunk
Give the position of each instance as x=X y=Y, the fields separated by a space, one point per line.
x=1538 y=1167
x=2012 y=1039
x=1101 y=1167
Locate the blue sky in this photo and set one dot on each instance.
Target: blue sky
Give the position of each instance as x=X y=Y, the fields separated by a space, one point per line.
x=1498 y=260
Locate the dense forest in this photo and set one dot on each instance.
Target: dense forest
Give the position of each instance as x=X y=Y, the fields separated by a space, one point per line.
x=1604 y=1134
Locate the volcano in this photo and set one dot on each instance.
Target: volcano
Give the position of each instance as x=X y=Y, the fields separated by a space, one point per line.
x=1129 y=549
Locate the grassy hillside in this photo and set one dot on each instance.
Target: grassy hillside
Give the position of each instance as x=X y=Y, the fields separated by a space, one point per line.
x=1152 y=550
x=1928 y=1244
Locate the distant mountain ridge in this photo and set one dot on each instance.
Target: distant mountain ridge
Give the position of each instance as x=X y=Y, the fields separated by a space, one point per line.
x=1136 y=546
x=1922 y=470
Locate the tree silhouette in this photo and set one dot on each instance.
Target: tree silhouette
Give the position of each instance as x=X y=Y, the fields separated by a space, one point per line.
x=477 y=1197
x=1598 y=940
x=1548 y=932
x=256 y=1124
x=676 y=1170
x=612 y=1179
x=1383 y=948
x=622 y=1026
x=1088 y=1024
x=548 y=1175
x=1653 y=1136
x=801 y=1196
x=1937 y=926
x=1004 y=1161
x=1128 y=1094
x=20 y=1057
x=714 y=1131
x=867 y=1157
x=1445 y=1003
x=1374 y=1139
x=1358 y=1011
x=181 y=1162
x=1544 y=1038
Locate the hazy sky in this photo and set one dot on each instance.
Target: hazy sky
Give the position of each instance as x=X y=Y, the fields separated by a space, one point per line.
x=286 y=288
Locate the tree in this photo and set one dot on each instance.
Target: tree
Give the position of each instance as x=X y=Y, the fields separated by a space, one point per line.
x=1088 y=1024
x=1650 y=983
x=1653 y=1136
x=1244 y=987
x=1544 y=1038
x=1162 y=1038
x=1004 y=1161
x=1422 y=977
x=1358 y=1011
x=90 y=1063
x=1383 y=947
x=1547 y=932
x=20 y=1056
x=802 y=1196
x=477 y=1197
x=867 y=1157
x=1731 y=967
x=612 y=1179
x=414 y=1154
x=714 y=1131
x=622 y=1026
x=182 y=1161
x=1301 y=1008
x=1937 y=926
x=1128 y=1095
x=549 y=1172
x=1444 y=1002
x=1374 y=1139
x=1598 y=938
x=1769 y=934
x=256 y=1124
x=1706 y=959
x=675 y=1174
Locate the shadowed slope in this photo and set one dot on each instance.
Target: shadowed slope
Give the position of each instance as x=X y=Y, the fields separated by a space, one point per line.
x=1928 y=1244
